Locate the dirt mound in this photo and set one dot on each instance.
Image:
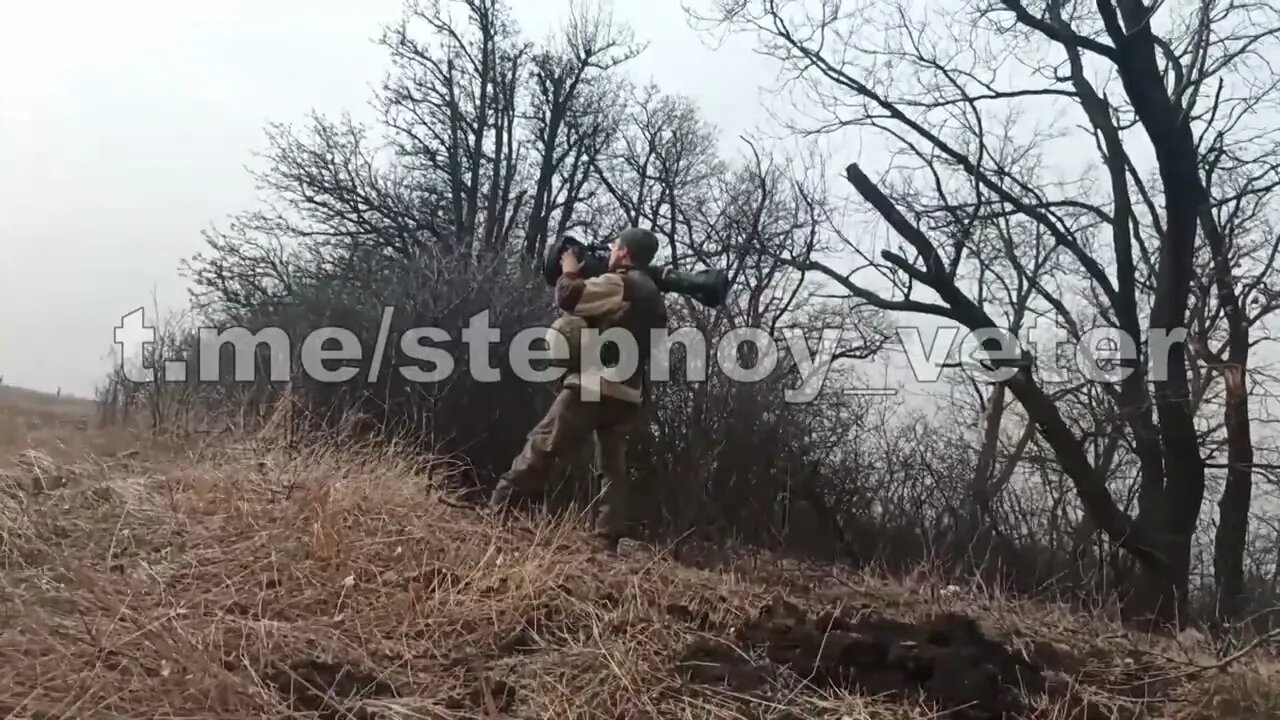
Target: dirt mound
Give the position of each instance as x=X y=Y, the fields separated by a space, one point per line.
x=946 y=660
x=332 y=690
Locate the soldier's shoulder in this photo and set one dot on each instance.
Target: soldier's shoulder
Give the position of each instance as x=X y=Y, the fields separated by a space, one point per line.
x=637 y=275
x=638 y=282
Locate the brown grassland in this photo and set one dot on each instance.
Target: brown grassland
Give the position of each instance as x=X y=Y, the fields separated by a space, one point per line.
x=220 y=577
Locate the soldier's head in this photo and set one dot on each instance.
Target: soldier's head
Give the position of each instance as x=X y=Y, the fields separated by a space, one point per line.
x=633 y=247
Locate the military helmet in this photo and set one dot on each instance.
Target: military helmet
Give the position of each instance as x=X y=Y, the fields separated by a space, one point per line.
x=641 y=244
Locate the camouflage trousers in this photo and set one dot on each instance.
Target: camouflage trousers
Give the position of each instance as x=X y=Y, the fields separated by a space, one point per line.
x=562 y=431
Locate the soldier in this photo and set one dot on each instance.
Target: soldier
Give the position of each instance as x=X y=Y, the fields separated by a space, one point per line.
x=624 y=298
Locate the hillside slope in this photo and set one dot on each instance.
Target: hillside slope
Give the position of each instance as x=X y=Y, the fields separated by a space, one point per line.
x=225 y=579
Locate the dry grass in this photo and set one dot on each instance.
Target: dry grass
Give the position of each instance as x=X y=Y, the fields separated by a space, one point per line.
x=25 y=414
x=186 y=581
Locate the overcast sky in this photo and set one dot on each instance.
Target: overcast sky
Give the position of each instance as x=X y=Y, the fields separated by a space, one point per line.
x=125 y=129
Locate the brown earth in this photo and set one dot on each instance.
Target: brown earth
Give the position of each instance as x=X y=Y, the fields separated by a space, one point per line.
x=944 y=659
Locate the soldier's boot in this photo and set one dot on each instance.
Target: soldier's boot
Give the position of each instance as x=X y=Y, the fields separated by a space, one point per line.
x=605 y=544
x=508 y=498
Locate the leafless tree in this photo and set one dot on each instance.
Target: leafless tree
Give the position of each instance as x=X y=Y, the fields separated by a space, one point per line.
x=563 y=128
x=451 y=102
x=1123 y=244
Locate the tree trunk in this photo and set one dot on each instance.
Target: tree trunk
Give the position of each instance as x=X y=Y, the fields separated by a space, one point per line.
x=1233 y=507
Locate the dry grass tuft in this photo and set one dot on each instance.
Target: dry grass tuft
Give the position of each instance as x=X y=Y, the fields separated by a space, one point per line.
x=239 y=581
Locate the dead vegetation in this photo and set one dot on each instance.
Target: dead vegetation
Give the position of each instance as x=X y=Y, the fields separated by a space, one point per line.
x=241 y=581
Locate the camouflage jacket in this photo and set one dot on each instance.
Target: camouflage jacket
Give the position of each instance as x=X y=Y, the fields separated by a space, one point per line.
x=625 y=300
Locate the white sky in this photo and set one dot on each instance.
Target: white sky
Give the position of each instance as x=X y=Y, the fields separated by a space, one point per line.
x=125 y=129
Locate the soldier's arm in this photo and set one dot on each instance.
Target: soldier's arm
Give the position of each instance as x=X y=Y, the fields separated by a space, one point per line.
x=593 y=297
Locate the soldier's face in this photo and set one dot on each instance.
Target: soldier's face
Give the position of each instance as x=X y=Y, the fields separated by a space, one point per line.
x=617 y=253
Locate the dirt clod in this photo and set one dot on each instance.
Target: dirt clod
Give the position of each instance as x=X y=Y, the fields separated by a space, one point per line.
x=946 y=659
x=330 y=689
x=710 y=661
x=486 y=695
x=520 y=641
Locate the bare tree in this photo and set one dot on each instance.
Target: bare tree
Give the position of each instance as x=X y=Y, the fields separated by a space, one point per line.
x=452 y=104
x=1232 y=301
x=590 y=46
x=933 y=87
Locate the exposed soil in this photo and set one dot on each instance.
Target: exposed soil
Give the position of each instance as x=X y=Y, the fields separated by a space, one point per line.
x=945 y=660
x=331 y=690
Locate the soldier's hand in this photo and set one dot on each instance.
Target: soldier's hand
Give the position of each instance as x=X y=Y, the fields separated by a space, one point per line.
x=569 y=262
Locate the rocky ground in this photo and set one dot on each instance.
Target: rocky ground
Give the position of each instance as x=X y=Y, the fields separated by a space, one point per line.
x=218 y=578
